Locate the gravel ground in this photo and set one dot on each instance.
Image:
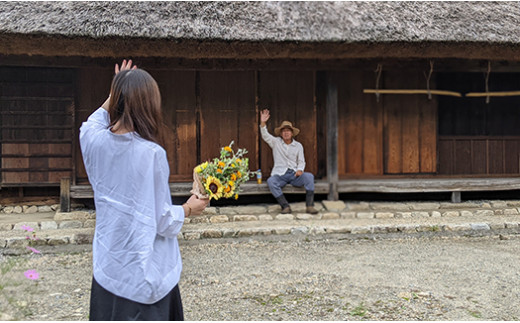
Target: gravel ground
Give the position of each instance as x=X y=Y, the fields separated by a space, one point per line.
x=300 y=278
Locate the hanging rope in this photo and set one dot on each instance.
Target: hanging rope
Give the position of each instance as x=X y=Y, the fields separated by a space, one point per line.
x=487 y=81
x=378 y=71
x=428 y=81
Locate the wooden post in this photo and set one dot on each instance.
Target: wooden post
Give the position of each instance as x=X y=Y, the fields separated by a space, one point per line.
x=332 y=138
x=455 y=197
x=65 y=194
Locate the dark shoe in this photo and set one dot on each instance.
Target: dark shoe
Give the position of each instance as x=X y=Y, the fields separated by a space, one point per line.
x=287 y=210
x=311 y=210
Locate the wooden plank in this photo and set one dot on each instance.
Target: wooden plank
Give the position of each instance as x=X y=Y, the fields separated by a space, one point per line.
x=228 y=113
x=446 y=156
x=421 y=185
x=479 y=157
x=394 y=185
x=462 y=160
x=392 y=129
x=65 y=195
x=183 y=188
x=496 y=156
x=352 y=128
x=412 y=91
x=428 y=134
x=92 y=89
x=496 y=94
x=512 y=156
x=372 y=132
x=410 y=135
x=179 y=110
x=332 y=138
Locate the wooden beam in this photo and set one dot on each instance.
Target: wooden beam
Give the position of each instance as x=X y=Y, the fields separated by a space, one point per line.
x=65 y=194
x=486 y=94
x=332 y=138
x=412 y=91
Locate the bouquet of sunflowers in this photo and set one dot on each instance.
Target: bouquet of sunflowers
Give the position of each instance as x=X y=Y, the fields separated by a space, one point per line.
x=223 y=176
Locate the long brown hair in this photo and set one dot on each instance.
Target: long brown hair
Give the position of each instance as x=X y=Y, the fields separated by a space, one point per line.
x=136 y=101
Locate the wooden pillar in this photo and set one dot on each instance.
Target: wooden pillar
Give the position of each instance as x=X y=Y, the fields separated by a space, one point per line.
x=65 y=194
x=332 y=138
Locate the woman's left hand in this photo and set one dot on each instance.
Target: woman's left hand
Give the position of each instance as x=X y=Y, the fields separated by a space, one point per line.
x=125 y=66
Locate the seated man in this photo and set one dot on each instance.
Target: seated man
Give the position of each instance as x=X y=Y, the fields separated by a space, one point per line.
x=289 y=163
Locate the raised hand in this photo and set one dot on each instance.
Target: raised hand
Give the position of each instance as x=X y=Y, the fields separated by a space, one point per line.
x=264 y=116
x=124 y=66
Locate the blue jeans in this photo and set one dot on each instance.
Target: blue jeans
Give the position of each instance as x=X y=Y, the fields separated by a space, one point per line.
x=277 y=182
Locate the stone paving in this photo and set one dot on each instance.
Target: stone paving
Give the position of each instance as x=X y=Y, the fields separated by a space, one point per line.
x=77 y=227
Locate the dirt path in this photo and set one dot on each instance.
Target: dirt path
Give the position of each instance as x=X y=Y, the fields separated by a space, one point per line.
x=301 y=279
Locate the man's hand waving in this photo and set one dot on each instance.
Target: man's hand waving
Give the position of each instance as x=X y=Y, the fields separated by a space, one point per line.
x=264 y=116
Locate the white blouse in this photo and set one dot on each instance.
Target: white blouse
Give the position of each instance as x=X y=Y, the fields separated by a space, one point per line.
x=135 y=250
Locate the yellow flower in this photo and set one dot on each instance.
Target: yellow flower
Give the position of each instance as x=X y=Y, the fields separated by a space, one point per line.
x=214 y=187
x=239 y=174
x=236 y=196
x=231 y=183
x=204 y=165
x=228 y=192
x=221 y=164
x=239 y=160
x=199 y=169
x=234 y=177
x=227 y=148
x=232 y=165
x=219 y=170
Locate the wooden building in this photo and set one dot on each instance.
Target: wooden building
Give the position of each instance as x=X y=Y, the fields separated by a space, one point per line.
x=345 y=73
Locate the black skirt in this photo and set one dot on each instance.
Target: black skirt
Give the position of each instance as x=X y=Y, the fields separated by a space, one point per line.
x=105 y=306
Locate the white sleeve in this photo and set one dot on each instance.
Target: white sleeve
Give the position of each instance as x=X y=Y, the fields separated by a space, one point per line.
x=300 y=159
x=169 y=218
x=98 y=121
x=267 y=137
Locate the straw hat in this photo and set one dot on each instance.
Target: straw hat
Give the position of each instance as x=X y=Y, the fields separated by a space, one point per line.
x=286 y=124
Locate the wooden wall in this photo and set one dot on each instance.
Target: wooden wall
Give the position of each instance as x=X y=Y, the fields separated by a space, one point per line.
x=360 y=125
x=37 y=125
x=410 y=126
x=475 y=137
x=396 y=135
x=206 y=110
x=41 y=110
x=290 y=95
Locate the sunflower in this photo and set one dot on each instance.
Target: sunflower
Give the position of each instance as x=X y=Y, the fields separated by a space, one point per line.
x=214 y=187
x=228 y=192
x=231 y=183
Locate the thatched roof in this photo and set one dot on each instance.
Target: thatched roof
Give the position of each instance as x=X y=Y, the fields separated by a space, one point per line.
x=344 y=27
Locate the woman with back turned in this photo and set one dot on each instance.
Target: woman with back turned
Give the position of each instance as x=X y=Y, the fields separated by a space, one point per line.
x=136 y=258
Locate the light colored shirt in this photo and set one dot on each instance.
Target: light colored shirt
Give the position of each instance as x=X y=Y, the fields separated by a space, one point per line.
x=135 y=250
x=286 y=156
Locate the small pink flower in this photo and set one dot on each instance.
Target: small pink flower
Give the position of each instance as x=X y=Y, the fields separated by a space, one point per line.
x=33 y=250
x=32 y=274
x=26 y=228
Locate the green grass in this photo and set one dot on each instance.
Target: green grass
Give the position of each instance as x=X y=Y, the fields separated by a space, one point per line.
x=359 y=310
